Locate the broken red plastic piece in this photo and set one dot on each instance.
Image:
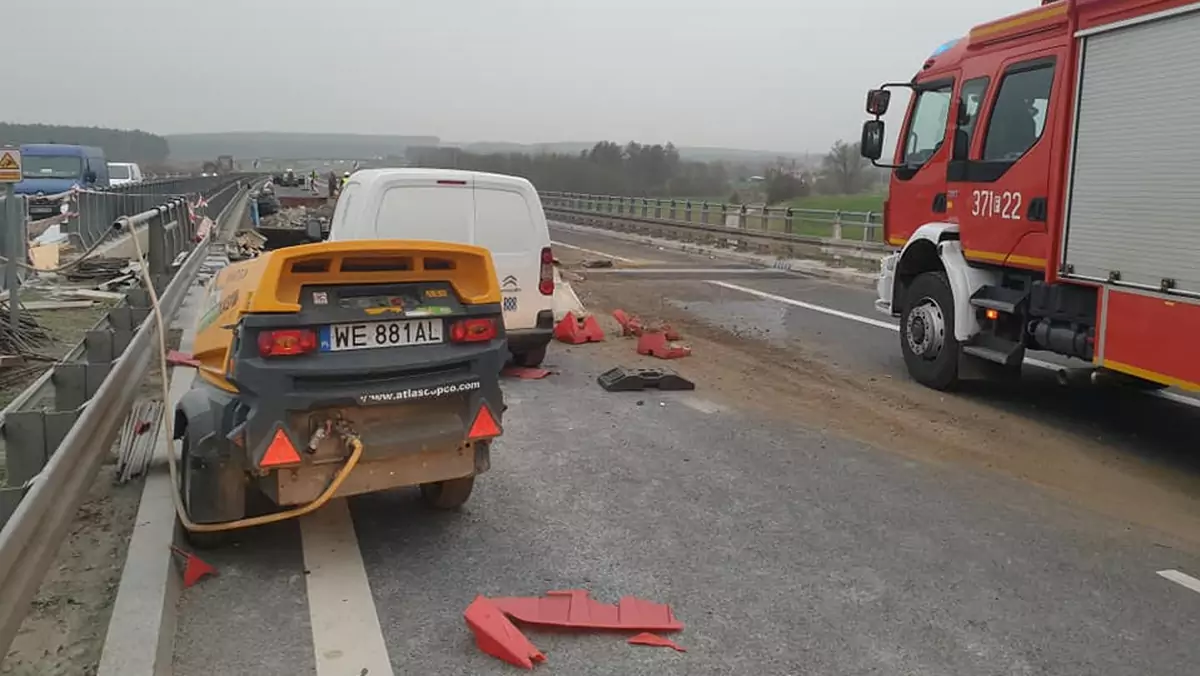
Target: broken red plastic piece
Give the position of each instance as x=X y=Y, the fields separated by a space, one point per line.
x=573 y=608
x=631 y=325
x=657 y=641
x=524 y=372
x=142 y=427
x=498 y=637
x=194 y=567
x=577 y=330
x=660 y=344
x=177 y=358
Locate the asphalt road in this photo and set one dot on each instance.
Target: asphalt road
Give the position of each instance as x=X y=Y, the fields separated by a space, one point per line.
x=784 y=545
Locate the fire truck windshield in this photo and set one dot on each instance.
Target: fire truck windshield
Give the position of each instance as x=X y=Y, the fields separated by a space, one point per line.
x=927 y=128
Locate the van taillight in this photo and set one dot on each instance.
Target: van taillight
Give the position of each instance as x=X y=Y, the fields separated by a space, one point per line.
x=286 y=342
x=546 y=283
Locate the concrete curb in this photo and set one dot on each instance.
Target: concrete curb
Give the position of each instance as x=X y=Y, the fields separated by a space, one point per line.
x=141 y=631
x=813 y=268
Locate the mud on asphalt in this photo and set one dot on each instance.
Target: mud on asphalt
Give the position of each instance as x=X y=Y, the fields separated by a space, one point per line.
x=1116 y=452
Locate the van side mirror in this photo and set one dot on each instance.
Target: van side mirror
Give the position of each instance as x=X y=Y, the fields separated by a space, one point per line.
x=313 y=230
x=89 y=176
x=877 y=102
x=871 y=143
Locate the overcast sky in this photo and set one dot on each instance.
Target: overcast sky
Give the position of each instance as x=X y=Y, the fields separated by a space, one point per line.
x=766 y=74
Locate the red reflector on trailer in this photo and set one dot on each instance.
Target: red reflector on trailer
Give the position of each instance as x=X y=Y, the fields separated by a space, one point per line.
x=280 y=452
x=484 y=426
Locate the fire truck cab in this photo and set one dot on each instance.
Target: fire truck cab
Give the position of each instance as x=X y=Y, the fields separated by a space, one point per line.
x=1045 y=195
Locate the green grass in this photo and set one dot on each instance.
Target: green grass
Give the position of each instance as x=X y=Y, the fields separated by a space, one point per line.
x=866 y=202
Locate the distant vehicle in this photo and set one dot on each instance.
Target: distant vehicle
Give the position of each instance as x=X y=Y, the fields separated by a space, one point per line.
x=500 y=213
x=51 y=169
x=225 y=164
x=124 y=173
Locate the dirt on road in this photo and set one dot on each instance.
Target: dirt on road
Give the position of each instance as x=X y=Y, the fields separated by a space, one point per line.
x=791 y=382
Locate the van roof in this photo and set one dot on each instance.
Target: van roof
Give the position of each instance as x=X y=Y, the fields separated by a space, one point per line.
x=56 y=149
x=400 y=175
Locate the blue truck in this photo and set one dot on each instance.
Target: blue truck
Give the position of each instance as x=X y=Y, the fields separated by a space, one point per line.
x=49 y=169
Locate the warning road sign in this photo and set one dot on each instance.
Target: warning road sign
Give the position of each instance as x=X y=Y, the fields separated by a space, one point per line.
x=10 y=165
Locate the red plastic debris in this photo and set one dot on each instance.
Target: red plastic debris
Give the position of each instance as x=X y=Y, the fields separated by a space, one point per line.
x=524 y=372
x=498 y=637
x=576 y=330
x=194 y=567
x=573 y=608
x=631 y=325
x=177 y=358
x=142 y=427
x=660 y=344
x=657 y=641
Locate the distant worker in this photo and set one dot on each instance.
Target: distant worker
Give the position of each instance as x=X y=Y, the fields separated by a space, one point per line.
x=345 y=177
x=333 y=184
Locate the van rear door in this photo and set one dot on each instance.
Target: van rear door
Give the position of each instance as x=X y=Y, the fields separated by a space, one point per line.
x=506 y=223
x=437 y=209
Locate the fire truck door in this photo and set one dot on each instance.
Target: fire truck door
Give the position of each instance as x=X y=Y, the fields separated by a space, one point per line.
x=922 y=154
x=1000 y=190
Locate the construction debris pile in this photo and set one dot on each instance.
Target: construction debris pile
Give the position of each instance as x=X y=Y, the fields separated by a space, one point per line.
x=289 y=226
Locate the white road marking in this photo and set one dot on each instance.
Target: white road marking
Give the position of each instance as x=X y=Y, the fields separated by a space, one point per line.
x=347 y=638
x=807 y=306
x=1036 y=363
x=690 y=271
x=702 y=405
x=1181 y=578
x=593 y=251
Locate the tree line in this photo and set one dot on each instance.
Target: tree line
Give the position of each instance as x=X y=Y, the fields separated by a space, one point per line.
x=656 y=170
x=634 y=169
x=119 y=145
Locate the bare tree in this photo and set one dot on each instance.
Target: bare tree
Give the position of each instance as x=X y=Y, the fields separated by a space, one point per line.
x=844 y=170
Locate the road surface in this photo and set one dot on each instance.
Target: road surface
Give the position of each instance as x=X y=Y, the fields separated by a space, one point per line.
x=807 y=510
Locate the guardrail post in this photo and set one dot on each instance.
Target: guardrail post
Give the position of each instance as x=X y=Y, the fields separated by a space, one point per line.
x=787 y=220
x=837 y=224
x=742 y=217
x=156 y=245
x=766 y=218
x=868 y=226
x=671 y=214
x=658 y=208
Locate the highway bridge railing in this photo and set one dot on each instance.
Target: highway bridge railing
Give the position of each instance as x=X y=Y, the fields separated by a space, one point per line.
x=857 y=227
x=58 y=432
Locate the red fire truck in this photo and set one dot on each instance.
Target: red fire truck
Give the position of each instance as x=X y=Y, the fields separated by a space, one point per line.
x=1045 y=195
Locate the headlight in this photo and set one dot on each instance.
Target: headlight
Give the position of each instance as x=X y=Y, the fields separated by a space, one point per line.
x=64 y=208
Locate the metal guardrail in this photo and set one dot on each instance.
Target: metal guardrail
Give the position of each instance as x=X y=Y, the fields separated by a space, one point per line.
x=857 y=228
x=53 y=455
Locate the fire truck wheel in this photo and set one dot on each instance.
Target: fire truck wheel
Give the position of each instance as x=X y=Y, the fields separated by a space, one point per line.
x=449 y=494
x=927 y=331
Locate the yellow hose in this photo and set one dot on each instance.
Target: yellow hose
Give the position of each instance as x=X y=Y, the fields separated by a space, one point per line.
x=356 y=445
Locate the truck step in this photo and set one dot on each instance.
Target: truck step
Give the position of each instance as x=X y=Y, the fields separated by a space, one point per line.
x=998 y=298
x=995 y=349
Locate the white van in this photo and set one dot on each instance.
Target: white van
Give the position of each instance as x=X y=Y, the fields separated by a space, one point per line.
x=500 y=213
x=123 y=173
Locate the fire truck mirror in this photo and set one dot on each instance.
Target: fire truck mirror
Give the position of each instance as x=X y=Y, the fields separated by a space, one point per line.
x=871 y=144
x=877 y=102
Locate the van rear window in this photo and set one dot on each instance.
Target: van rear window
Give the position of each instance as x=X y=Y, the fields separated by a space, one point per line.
x=118 y=171
x=439 y=213
x=503 y=221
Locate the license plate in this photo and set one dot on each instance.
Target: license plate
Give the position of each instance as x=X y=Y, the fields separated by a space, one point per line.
x=369 y=335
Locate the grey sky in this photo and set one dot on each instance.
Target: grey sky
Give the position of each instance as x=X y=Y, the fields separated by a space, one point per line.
x=771 y=74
